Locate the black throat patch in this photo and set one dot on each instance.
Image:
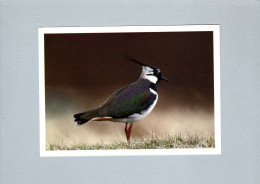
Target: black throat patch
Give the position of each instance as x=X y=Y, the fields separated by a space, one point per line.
x=153 y=86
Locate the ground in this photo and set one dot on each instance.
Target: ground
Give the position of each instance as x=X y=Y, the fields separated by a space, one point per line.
x=170 y=142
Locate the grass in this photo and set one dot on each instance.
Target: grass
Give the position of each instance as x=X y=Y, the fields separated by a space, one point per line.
x=170 y=142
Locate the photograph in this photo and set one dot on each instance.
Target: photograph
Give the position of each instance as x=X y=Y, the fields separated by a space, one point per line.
x=129 y=90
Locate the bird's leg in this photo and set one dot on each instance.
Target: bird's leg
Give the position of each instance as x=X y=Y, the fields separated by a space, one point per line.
x=129 y=132
x=126 y=130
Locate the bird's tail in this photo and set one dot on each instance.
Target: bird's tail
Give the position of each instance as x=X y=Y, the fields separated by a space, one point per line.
x=85 y=117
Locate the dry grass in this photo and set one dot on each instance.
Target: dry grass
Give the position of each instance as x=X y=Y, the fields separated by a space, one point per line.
x=170 y=142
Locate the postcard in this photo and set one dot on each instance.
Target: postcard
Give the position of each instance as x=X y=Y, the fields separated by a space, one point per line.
x=130 y=90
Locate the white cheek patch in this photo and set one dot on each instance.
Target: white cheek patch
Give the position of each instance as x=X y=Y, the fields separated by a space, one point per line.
x=148 y=74
x=151 y=78
x=147 y=70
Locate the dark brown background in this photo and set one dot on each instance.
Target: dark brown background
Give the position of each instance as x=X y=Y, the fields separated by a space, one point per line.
x=83 y=70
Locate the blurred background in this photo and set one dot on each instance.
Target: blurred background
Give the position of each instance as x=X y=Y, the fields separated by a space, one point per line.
x=83 y=70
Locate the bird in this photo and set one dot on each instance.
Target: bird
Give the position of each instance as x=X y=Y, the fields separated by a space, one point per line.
x=130 y=103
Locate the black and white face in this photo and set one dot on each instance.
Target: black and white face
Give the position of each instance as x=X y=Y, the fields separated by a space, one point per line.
x=152 y=74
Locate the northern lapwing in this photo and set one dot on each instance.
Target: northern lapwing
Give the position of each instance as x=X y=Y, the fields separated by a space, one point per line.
x=130 y=103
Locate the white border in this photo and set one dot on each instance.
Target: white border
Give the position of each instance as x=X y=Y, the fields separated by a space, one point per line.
x=128 y=29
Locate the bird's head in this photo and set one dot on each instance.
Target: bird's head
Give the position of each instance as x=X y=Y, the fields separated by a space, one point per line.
x=151 y=73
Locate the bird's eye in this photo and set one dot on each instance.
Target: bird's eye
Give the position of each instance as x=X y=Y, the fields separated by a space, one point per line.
x=155 y=72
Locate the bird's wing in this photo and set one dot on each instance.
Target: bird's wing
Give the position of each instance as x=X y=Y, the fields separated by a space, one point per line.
x=127 y=101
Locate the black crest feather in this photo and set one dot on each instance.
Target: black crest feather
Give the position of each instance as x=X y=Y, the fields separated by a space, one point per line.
x=130 y=58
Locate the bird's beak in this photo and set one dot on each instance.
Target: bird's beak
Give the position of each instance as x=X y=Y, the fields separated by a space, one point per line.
x=164 y=78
